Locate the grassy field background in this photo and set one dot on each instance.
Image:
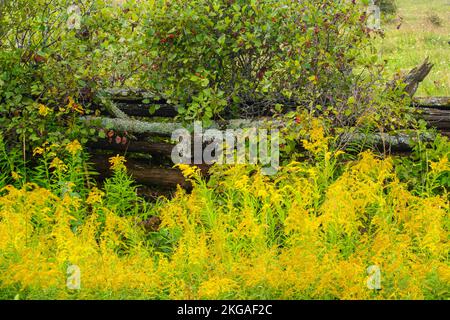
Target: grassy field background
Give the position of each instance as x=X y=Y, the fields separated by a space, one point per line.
x=424 y=32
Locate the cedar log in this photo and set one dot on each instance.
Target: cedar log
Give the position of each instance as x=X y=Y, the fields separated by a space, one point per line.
x=165 y=178
x=153 y=148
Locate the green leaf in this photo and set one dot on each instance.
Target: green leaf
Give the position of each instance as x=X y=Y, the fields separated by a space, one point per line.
x=153 y=108
x=102 y=134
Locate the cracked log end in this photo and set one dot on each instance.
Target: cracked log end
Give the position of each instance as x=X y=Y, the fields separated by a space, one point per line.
x=416 y=76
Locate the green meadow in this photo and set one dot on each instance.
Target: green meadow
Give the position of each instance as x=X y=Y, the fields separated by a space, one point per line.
x=420 y=29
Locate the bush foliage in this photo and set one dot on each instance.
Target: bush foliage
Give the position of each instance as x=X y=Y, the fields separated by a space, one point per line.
x=210 y=58
x=253 y=56
x=54 y=59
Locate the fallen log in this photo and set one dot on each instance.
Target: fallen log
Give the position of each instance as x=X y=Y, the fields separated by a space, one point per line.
x=435 y=110
x=438 y=120
x=415 y=77
x=167 y=128
x=112 y=107
x=165 y=178
x=143 y=110
x=432 y=102
x=168 y=178
x=153 y=148
x=133 y=126
x=399 y=142
x=132 y=95
x=124 y=97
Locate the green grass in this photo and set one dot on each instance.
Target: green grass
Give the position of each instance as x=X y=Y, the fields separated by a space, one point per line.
x=418 y=38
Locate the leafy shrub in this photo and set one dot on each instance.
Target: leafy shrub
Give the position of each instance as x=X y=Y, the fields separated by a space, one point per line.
x=11 y=165
x=211 y=58
x=265 y=54
x=54 y=57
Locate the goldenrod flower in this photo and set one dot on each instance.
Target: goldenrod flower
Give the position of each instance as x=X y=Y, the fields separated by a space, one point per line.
x=214 y=287
x=15 y=176
x=117 y=163
x=43 y=110
x=278 y=239
x=58 y=164
x=440 y=166
x=95 y=196
x=188 y=170
x=242 y=183
x=338 y=153
x=38 y=151
x=74 y=147
x=317 y=142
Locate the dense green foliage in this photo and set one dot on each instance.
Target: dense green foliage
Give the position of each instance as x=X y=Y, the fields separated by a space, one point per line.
x=210 y=58
x=253 y=56
x=54 y=57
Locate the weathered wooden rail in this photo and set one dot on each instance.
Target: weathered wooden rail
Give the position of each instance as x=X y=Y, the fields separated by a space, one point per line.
x=148 y=153
x=436 y=112
x=149 y=148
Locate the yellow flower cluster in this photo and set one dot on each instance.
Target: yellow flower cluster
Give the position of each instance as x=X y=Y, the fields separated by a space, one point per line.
x=190 y=172
x=284 y=237
x=58 y=165
x=44 y=110
x=117 y=163
x=16 y=176
x=440 y=166
x=74 y=147
x=95 y=196
x=318 y=141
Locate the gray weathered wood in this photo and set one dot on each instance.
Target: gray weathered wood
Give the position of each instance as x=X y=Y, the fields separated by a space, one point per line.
x=167 y=128
x=432 y=102
x=416 y=76
x=153 y=148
